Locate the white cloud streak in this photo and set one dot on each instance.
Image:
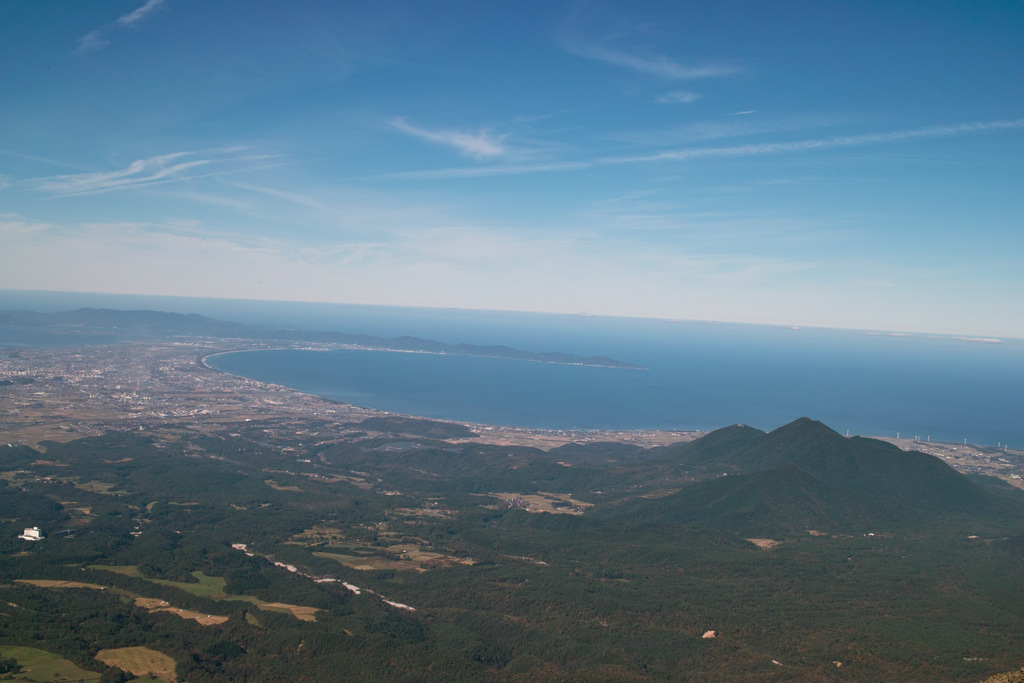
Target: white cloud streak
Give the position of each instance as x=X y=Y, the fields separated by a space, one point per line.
x=821 y=144
x=293 y=197
x=140 y=173
x=723 y=152
x=679 y=97
x=660 y=66
x=94 y=41
x=139 y=14
x=479 y=145
x=32 y=157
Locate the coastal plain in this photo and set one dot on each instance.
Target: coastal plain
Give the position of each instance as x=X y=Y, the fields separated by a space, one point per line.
x=196 y=525
x=66 y=393
x=62 y=394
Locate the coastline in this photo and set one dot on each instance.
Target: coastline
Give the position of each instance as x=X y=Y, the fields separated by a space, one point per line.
x=170 y=388
x=959 y=455
x=496 y=434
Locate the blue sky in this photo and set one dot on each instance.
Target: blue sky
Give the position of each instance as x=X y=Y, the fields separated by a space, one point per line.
x=853 y=164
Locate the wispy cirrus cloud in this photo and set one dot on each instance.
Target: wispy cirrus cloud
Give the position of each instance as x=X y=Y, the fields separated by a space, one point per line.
x=164 y=168
x=822 y=143
x=479 y=145
x=679 y=97
x=659 y=66
x=95 y=41
x=139 y=14
x=33 y=157
x=707 y=130
x=735 y=151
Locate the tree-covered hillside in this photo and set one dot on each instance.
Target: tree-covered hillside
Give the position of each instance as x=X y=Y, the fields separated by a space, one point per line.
x=392 y=556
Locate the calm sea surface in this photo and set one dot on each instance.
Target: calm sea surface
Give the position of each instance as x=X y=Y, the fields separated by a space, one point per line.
x=699 y=376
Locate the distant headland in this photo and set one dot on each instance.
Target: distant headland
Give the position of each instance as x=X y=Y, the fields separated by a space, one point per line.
x=106 y=324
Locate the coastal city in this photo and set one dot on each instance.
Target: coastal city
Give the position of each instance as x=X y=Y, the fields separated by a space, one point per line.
x=61 y=394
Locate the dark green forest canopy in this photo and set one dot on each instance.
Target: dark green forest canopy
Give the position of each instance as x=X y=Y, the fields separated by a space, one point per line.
x=866 y=562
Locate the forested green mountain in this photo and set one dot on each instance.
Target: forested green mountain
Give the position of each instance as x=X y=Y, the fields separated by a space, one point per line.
x=806 y=476
x=858 y=463
x=390 y=555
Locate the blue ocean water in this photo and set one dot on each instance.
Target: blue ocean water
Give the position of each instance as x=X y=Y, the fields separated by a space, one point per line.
x=700 y=375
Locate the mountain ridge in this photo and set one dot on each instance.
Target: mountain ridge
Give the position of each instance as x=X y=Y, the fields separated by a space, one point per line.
x=805 y=475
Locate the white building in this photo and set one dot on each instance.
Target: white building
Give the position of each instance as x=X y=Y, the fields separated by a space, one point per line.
x=33 y=534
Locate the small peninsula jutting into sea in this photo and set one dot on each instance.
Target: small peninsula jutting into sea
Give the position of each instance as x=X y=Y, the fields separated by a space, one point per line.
x=108 y=324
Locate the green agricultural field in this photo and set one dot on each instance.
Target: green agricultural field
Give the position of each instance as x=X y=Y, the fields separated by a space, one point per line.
x=207 y=587
x=40 y=665
x=363 y=563
x=125 y=570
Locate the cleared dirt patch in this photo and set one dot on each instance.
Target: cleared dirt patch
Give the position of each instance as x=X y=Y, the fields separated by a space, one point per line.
x=764 y=543
x=297 y=611
x=152 y=604
x=140 y=661
x=277 y=487
x=426 y=558
x=158 y=605
x=555 y=503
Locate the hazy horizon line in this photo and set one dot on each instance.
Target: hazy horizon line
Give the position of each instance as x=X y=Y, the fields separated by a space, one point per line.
x=795 y=326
